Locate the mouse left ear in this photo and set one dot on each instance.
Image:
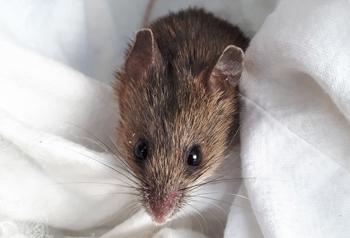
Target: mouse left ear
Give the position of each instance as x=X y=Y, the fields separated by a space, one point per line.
x=143 y=53
x=227 y=71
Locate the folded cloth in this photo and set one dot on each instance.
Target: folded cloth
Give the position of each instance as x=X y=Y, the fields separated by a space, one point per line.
x=41 y=153
x=295 y=131
x=55 y=120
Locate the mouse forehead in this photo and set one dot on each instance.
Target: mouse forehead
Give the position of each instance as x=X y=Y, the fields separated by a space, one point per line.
x=163 y=99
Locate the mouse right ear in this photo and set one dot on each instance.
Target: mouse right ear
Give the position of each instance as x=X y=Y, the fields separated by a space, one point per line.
x=227 y=71
x=142 y=54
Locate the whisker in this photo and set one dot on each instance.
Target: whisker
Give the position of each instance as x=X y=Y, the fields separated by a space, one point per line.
x=202 y=183
x=105 y=164
x=201 y=216
x=216 y=217
x=126 y=165
x=99 y=183
x=234 y=135
x=116 y=193
x=96 y=140
x=230 y=203
x=199 y=222
x=231 y=194
x=213 y=199
x=222 y=179
x=132 y=208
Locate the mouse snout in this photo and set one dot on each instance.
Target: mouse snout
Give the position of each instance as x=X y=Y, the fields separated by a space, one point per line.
x=162 y=208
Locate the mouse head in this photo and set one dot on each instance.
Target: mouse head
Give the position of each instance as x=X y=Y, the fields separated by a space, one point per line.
x=175 y=128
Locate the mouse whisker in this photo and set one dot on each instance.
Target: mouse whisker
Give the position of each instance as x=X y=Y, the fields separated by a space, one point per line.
x=97 y=141
x=104 y=147
x=133 y=207
x=231 y=194
x=198 y=175
x=115 y=153
x=249 y=178
x=107 y=165
x=189 y=188
x=221 y=179
x=234 y=135
x=208 y=198
x=248 y=207
x=133 y=210
x=117 y=193
x=199 y=222
x=100 y=144
x=97 y=183
x=127 y=166
x=201 y=218
x=218 y=220
x=216 y=181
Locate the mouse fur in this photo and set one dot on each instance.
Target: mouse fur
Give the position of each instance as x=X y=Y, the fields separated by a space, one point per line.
x=178 y=89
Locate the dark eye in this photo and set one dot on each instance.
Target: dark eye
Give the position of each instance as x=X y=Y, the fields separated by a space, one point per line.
x=194 y=156
x=141 y=149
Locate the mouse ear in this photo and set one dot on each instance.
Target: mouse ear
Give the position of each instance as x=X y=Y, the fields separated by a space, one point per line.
x=227 y=71
x=142 y=54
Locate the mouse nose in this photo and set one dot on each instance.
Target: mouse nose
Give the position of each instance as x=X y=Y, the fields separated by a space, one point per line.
x=162 y=208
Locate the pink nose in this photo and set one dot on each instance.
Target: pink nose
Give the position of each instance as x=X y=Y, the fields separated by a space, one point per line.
x=161 y=209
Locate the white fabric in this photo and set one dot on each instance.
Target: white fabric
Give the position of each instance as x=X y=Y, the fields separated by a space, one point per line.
x=295 y=129
x=52 y=118
x=295 y=121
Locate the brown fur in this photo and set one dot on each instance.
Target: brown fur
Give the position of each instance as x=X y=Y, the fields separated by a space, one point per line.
x=170 y=105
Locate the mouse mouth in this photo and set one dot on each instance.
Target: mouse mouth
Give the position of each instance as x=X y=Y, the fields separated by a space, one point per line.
x=162 y=209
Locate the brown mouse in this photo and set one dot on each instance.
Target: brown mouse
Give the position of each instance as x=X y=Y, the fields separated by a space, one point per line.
x=178 y=102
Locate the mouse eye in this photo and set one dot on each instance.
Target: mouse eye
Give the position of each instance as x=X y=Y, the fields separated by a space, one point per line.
x=141 y=149
x=194 y=156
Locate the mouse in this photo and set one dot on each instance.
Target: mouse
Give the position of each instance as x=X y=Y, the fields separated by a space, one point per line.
x=177 y=93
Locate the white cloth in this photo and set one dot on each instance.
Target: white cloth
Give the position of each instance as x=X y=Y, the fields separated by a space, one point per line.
x=295 y=129
x=295 y=121
x=51 y=177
